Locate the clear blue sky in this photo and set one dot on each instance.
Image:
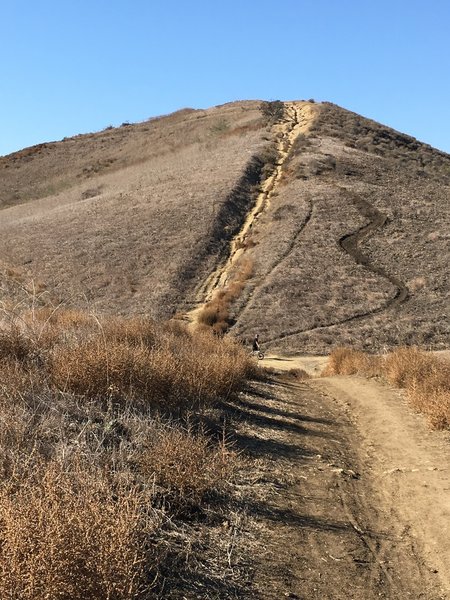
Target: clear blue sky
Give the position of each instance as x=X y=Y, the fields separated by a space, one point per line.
x=74 y=66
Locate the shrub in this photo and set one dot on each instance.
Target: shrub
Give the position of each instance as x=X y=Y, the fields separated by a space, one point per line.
x=75 y=532
x=346 y=361
x=272 y=111
x=216 y=313
x=15 y=345
x=89 y=474
x=176 y=374
x=185 y=467
x=220 y=126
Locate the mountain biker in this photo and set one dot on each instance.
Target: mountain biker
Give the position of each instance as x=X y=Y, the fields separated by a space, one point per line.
x=256 y=343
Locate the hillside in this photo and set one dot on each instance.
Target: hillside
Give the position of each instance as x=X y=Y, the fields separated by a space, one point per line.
x=122 y=220
x=364 y=213
x=349 y=244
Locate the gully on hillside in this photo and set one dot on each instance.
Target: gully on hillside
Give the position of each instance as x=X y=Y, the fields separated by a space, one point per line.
x=298 y=117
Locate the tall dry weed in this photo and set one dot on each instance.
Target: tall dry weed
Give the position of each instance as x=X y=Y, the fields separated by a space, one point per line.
x=72 y=532
x=424 y=376
x=89 y=473
x=186 y=467
x=346 y=361
x=216 y=313
x=175 y=373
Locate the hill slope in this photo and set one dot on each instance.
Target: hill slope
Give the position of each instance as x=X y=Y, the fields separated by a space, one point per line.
x=355 y=246
x=350 y=243
x=123 y=218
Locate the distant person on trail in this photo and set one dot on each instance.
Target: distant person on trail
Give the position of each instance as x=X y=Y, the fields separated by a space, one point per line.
x=256 y=343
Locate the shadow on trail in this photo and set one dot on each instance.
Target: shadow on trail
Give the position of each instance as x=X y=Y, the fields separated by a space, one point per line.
x=267 y=426
x=283 y=413
x=264 y=448
x=181 y=582
x=286 y=515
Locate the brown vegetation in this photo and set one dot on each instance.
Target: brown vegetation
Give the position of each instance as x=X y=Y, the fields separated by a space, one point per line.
x=216 y=312
x=369 y=136
x=133 y=219
x=425 y=377
x=129 y=219
x=100 y=446
x=272 y=111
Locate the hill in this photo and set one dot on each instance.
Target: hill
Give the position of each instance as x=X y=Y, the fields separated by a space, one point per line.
x=348 y=243
x=120 y=219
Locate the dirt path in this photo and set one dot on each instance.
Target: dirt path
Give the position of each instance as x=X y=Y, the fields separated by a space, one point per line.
x=298 y=119
x=352 y=501
x=350 y=244
x=350 y=498
x=313 y=365
x=410 y=461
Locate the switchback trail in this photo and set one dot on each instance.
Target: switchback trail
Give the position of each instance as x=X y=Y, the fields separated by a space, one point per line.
x=350 y=245
x=352 y=500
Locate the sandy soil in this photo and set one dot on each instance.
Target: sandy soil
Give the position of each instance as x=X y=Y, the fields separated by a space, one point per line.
x=312 y=365
x=358 y=501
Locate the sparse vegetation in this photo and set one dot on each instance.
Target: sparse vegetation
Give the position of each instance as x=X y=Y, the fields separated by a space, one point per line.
x=370 y=136
x=425 y=377
x=115 y=467
x=221 y=126
x=111 y=253
x=313 y=294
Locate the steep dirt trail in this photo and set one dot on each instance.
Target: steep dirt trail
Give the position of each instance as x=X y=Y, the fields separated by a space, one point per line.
x=350 y=245
x=359 y=507
x=298 y=119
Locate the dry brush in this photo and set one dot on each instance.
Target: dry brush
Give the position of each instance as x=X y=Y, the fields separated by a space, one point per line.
x=101 y=446
x=424 y=377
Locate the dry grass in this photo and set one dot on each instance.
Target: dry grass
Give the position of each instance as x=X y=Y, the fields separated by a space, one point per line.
x=89 y=472
x=304 y=282
x=172 y=174
x=128 y=360
x=185 y=466
x=176 y=175
x=425 y=377
x=346 y=361
x=375 y=138
x=71 y=532
x=216 y=313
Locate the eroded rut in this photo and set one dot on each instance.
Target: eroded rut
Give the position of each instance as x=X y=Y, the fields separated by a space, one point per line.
x=350 y=244
x=298 y=118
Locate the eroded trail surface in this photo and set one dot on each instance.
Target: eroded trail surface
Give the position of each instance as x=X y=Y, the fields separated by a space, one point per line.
x=298 y=119
x=353 y=497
